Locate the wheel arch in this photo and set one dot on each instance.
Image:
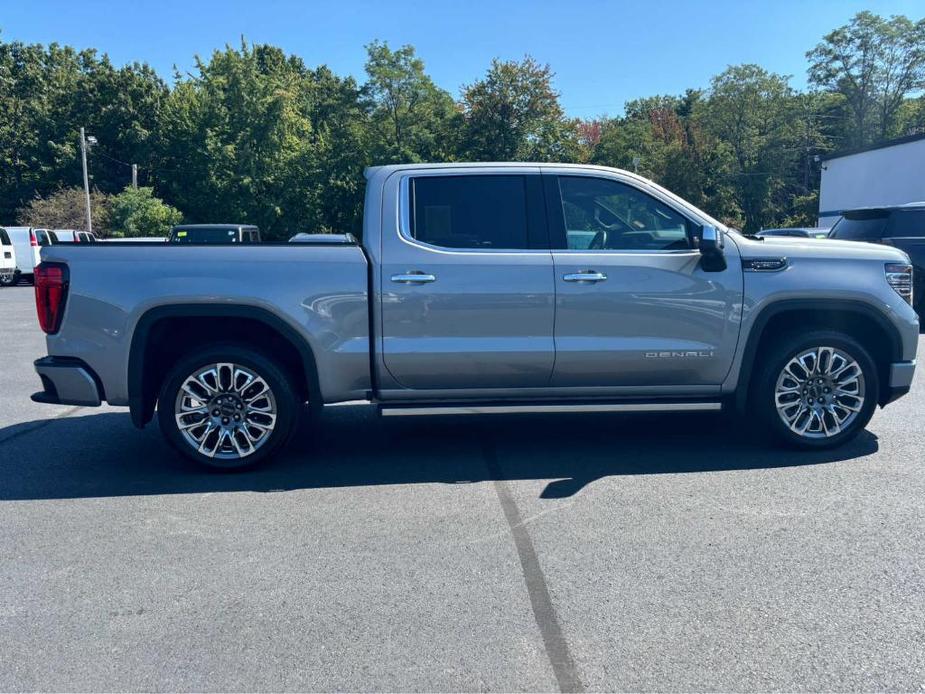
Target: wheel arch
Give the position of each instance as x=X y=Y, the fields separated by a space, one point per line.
x=147 y=367
x=861 y=321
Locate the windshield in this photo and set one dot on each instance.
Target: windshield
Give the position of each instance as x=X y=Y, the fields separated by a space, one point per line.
x=226 y=235
x=866 y=227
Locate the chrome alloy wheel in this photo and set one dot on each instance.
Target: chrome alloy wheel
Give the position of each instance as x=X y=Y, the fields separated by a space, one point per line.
x=225 y=411
x=819 y=392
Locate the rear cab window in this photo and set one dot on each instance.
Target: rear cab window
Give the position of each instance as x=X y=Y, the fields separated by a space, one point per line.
x=4 y=238
x=470 y=211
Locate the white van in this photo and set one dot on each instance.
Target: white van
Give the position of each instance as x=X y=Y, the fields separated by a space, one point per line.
x=28 y=241
x=9 y=273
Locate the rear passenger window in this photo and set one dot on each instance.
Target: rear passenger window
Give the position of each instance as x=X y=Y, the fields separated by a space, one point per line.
x=4 y=239
x=469 y=211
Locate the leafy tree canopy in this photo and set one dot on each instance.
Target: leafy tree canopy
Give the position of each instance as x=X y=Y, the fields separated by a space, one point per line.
x=137 y=212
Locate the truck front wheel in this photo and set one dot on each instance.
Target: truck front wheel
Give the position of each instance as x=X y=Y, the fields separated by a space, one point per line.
x=227 y=407
x=815 y=390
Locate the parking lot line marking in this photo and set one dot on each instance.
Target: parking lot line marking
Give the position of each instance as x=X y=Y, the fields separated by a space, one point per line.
x=38 y=425
x=563 y=666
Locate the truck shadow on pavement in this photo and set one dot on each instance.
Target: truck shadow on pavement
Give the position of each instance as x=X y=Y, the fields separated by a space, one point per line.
x=102 y=455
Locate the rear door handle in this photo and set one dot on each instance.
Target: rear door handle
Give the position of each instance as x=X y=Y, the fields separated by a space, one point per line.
x=414 y=278
x=587 y=276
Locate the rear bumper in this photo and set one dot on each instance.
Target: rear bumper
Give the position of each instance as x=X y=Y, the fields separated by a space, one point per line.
x=67 y=381
x=901 y=374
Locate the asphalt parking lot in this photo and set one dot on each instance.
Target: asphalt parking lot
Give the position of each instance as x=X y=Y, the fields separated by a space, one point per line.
x=513 y=553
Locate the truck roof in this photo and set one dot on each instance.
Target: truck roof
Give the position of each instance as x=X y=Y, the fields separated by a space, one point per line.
x=390 y=168
x=215 y=226
x=383 y=172
x=874 y=209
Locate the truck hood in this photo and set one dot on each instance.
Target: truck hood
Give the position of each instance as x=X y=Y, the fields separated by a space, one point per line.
x=818 y=248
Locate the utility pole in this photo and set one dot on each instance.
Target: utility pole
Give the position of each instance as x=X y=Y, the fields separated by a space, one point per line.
x=83 y=156
x=135 y=176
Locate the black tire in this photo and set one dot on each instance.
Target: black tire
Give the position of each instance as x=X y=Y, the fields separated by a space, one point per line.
x=287 y=406
x=776 y=356
x=8 y=280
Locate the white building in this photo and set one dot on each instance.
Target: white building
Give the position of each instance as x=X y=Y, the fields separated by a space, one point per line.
x=889 y=174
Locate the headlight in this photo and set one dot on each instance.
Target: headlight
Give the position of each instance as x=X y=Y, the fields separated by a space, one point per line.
x=899 y=276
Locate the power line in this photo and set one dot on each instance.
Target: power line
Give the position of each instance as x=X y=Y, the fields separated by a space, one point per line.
x=118 y=161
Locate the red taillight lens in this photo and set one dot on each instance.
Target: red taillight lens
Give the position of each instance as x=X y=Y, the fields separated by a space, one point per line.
x=51 y=282
x=32 y=240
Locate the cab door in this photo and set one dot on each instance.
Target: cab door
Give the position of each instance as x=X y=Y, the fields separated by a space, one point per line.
x=634 y=305
x=467 y=290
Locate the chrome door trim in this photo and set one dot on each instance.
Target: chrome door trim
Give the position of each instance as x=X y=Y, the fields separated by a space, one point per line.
x=387 y=411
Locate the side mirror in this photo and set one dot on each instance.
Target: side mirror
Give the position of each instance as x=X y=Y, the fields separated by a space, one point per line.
x=712 y=247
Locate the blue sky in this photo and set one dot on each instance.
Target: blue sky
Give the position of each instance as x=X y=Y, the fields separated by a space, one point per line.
x=603 y=52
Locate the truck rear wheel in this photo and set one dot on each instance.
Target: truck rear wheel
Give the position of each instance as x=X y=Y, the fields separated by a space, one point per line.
x=817 y=390
x=227 y=407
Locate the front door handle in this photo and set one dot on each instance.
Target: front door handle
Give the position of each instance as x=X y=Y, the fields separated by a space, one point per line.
x=586 y=276
x=414 y=278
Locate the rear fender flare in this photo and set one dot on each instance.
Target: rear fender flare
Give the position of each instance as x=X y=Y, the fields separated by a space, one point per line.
x=142 y=392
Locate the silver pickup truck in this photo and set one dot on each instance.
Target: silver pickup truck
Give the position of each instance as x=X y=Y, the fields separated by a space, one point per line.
x=482 y=288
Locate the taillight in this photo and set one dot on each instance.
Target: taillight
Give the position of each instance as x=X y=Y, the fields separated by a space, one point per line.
x=32 y=240
x=899 y=277
x=51 y=283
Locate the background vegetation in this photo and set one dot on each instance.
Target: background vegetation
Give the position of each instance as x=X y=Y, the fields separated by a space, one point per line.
x=256 y=136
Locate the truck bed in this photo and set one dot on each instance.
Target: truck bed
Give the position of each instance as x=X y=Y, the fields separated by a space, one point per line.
x=318 y=289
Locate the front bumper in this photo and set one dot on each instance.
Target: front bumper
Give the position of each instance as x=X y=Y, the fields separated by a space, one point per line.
x=901 y=374
x=67 y=381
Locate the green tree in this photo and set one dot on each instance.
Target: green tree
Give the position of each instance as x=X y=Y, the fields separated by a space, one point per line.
x=874 y=64
x=235 y=136
x=513 y=113
x=46 y=95
x=137 y=212
x=257 y=137
x=658 y=138
x=753 y=118
x=412 y=118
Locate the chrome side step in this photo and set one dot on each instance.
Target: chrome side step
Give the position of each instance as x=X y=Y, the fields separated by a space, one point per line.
x=391 y=411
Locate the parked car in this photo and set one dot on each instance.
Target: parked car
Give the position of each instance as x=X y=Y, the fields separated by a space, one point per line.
x=482 y=288
x=796 y=232
x=73 y=236
x=28 y=242
x=214 y=234
x=9 y=272
x=902 y=226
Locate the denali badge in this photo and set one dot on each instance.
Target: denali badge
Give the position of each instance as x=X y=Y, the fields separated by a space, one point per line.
x=680 y=355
